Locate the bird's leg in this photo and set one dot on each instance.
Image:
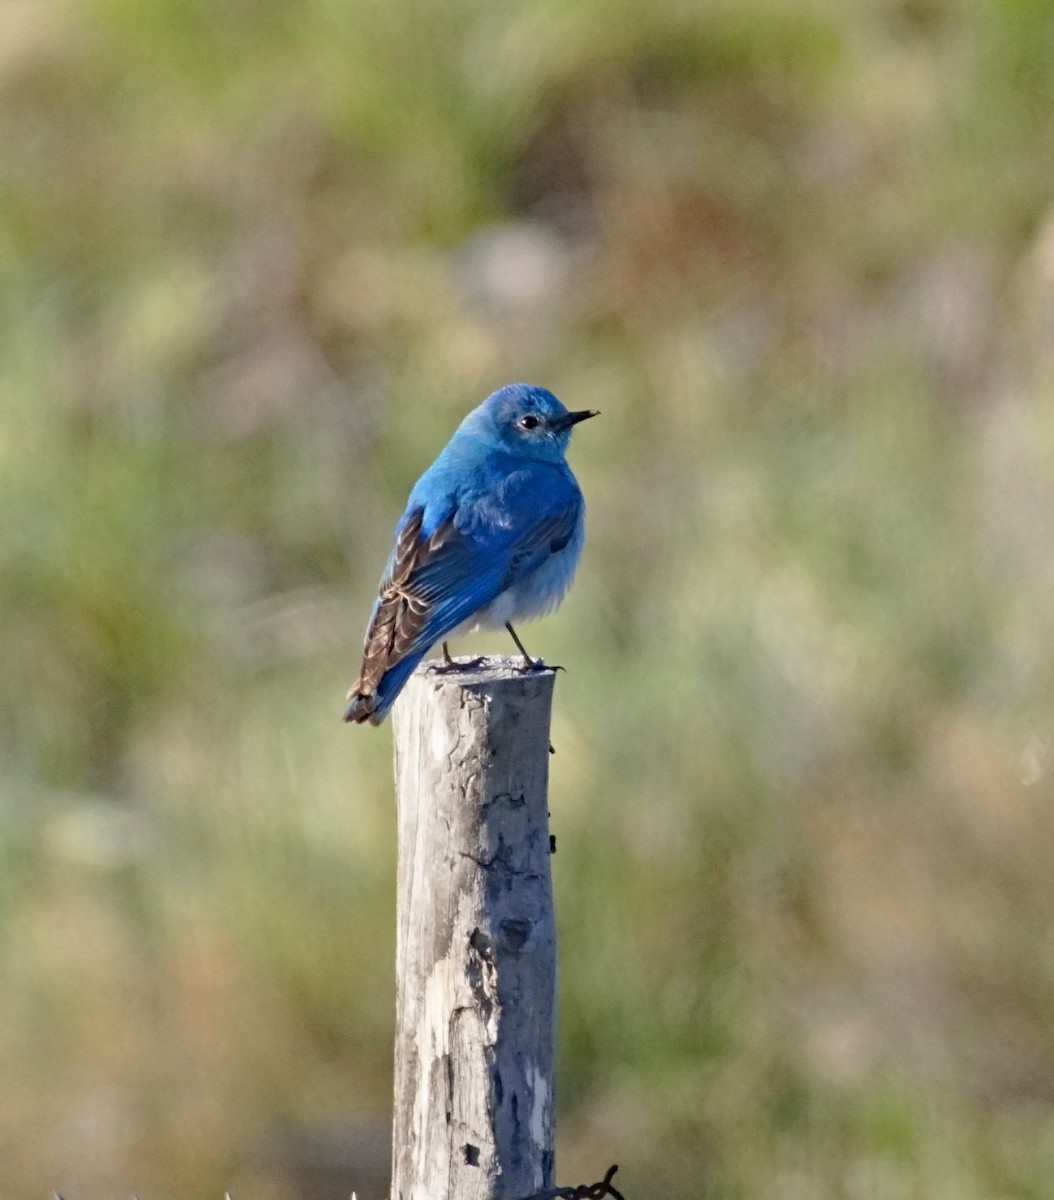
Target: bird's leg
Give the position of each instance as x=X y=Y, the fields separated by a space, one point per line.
x=446 y=656
x=529 y=664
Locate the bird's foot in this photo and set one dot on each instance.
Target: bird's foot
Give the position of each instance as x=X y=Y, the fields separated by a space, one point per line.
x=453 y=664
x=536 y=664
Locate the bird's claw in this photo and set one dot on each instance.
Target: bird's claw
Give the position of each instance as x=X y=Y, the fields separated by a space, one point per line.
x=453 y=664
x=537 y=664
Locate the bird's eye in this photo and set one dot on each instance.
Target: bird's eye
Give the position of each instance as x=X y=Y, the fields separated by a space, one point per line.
x=530 y=421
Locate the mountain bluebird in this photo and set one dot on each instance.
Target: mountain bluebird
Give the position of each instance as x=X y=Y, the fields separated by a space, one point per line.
x=492 y=534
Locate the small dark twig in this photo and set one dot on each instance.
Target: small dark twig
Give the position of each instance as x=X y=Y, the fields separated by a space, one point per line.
x=585 y=1191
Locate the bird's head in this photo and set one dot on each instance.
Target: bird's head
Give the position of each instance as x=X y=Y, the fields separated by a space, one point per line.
x=526 y=420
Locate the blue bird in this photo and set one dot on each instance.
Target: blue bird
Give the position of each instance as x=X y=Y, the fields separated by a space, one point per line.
x=491 y=534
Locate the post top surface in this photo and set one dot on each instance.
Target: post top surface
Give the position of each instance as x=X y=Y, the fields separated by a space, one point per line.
x=493 y=668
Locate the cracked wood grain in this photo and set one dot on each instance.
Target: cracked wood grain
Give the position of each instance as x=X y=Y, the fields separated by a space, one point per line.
x=476 y=945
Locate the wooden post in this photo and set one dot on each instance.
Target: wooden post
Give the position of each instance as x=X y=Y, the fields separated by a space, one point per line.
x=476 y=948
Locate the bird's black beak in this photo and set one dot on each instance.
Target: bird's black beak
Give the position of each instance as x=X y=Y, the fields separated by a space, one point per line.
x=572 y=418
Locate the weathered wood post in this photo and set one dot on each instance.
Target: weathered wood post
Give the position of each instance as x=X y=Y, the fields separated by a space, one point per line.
x=476 y=948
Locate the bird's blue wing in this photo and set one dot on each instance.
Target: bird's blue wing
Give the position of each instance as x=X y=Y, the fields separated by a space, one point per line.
x=554 y=517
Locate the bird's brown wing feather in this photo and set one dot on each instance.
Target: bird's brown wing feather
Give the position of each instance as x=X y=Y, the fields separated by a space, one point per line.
x=401 y=610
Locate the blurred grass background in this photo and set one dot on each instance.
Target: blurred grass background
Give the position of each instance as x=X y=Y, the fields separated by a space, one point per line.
x=259 y=258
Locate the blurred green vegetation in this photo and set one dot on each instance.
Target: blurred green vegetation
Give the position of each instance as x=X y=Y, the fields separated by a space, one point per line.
x=259 y=258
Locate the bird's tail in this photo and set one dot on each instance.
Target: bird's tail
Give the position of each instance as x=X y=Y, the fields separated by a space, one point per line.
x=373 y=704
